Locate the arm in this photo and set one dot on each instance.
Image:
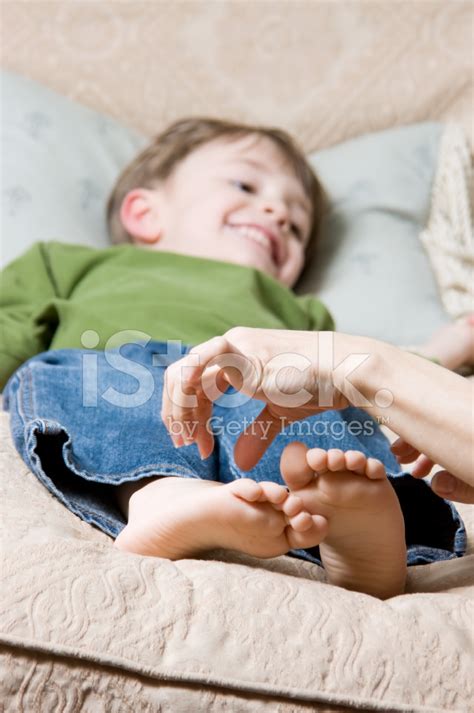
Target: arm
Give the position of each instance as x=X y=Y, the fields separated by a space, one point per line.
x=25 y=285
x=432 y=407
x=30 y=287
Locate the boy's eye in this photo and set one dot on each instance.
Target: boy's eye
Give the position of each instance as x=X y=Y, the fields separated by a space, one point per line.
x=295 y=229
x=244 y=186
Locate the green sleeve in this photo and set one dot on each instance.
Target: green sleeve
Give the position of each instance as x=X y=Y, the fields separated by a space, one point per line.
x=320 y=318
x=45 y=272
x=25 y=284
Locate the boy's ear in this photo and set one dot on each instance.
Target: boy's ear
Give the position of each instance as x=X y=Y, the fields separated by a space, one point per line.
x=140 y=215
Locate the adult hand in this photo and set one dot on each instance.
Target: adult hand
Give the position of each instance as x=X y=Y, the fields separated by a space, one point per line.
x=279 y=367
x=443 y=483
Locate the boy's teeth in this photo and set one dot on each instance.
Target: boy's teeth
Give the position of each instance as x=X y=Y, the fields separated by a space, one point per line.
x=253 y=234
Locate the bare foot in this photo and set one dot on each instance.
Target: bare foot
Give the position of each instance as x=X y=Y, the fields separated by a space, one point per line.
x=175 y=518
x=453 y=344
x=364 y=549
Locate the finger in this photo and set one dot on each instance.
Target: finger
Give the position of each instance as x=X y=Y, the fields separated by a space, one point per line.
x=205 y=440
x=448 y=486
x=167 y=407
x=184 y=418
x=189 y=424
x=422 y=467
x=214 y=382
x=167 y=418
x=166 y=402
x=185 y=374
x=206 y=352
x=202 y=415
x=397 y=445
x=256 y=438
x=409 y=457
x=404 y=452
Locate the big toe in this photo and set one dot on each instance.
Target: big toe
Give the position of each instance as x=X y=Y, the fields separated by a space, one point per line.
x=294 y=468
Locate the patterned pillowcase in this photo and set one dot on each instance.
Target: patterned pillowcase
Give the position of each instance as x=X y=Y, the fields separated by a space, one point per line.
x=61 y=159
x=371 y=269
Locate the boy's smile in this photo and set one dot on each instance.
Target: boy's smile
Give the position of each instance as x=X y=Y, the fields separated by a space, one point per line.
x=232 y=200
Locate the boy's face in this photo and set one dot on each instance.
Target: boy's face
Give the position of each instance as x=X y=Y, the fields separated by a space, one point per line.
x=236 y=201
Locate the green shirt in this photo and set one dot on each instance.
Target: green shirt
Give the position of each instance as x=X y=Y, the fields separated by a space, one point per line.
x=55 y=292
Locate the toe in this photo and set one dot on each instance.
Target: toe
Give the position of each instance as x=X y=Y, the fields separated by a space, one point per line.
x=293 y=466
x=301 y=522
x=336 y=460
x=317 y=459
x=292 y=506
x=374 y=470
x=356 y=462
x=246 y=489
x=310 y=537
x=273 y=493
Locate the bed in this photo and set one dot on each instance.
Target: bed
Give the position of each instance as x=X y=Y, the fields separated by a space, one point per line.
x=84 y=627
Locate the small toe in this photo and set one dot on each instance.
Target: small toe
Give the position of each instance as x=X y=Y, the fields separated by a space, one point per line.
x=293 y=466
x=310 y=537
x=292 y=506
x=247 y=489
x=273 y=493
x=301 y=522
x=375 y=470
x=317 y=459
x=356 y=462
x=336 y=460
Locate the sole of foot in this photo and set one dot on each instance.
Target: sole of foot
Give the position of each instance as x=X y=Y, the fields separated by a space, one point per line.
x=364 y=549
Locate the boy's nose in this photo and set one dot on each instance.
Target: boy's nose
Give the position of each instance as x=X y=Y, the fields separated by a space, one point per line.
x=278 y=210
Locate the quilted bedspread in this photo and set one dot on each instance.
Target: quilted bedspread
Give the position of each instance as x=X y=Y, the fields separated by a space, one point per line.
x=85 y=627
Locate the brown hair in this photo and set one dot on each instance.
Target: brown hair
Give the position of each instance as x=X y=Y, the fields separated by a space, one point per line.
x=160 y=158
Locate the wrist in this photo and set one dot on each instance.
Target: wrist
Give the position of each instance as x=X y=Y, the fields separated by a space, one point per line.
x=370 y=378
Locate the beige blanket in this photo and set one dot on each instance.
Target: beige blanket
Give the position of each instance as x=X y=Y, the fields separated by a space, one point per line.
x=87 y=628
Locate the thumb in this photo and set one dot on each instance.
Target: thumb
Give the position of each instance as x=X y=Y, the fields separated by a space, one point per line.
x=256 y=438
x=448 y=486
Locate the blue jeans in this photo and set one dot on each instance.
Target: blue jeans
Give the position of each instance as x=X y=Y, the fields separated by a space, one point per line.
x=84 y=422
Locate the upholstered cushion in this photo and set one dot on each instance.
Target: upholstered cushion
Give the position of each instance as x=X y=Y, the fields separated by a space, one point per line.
x=97 y=629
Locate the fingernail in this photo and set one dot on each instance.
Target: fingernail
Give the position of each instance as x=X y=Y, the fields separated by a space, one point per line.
x=178 y=441
x=445 y=483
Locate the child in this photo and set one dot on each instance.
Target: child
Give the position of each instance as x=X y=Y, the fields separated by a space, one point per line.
x=215 y=222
